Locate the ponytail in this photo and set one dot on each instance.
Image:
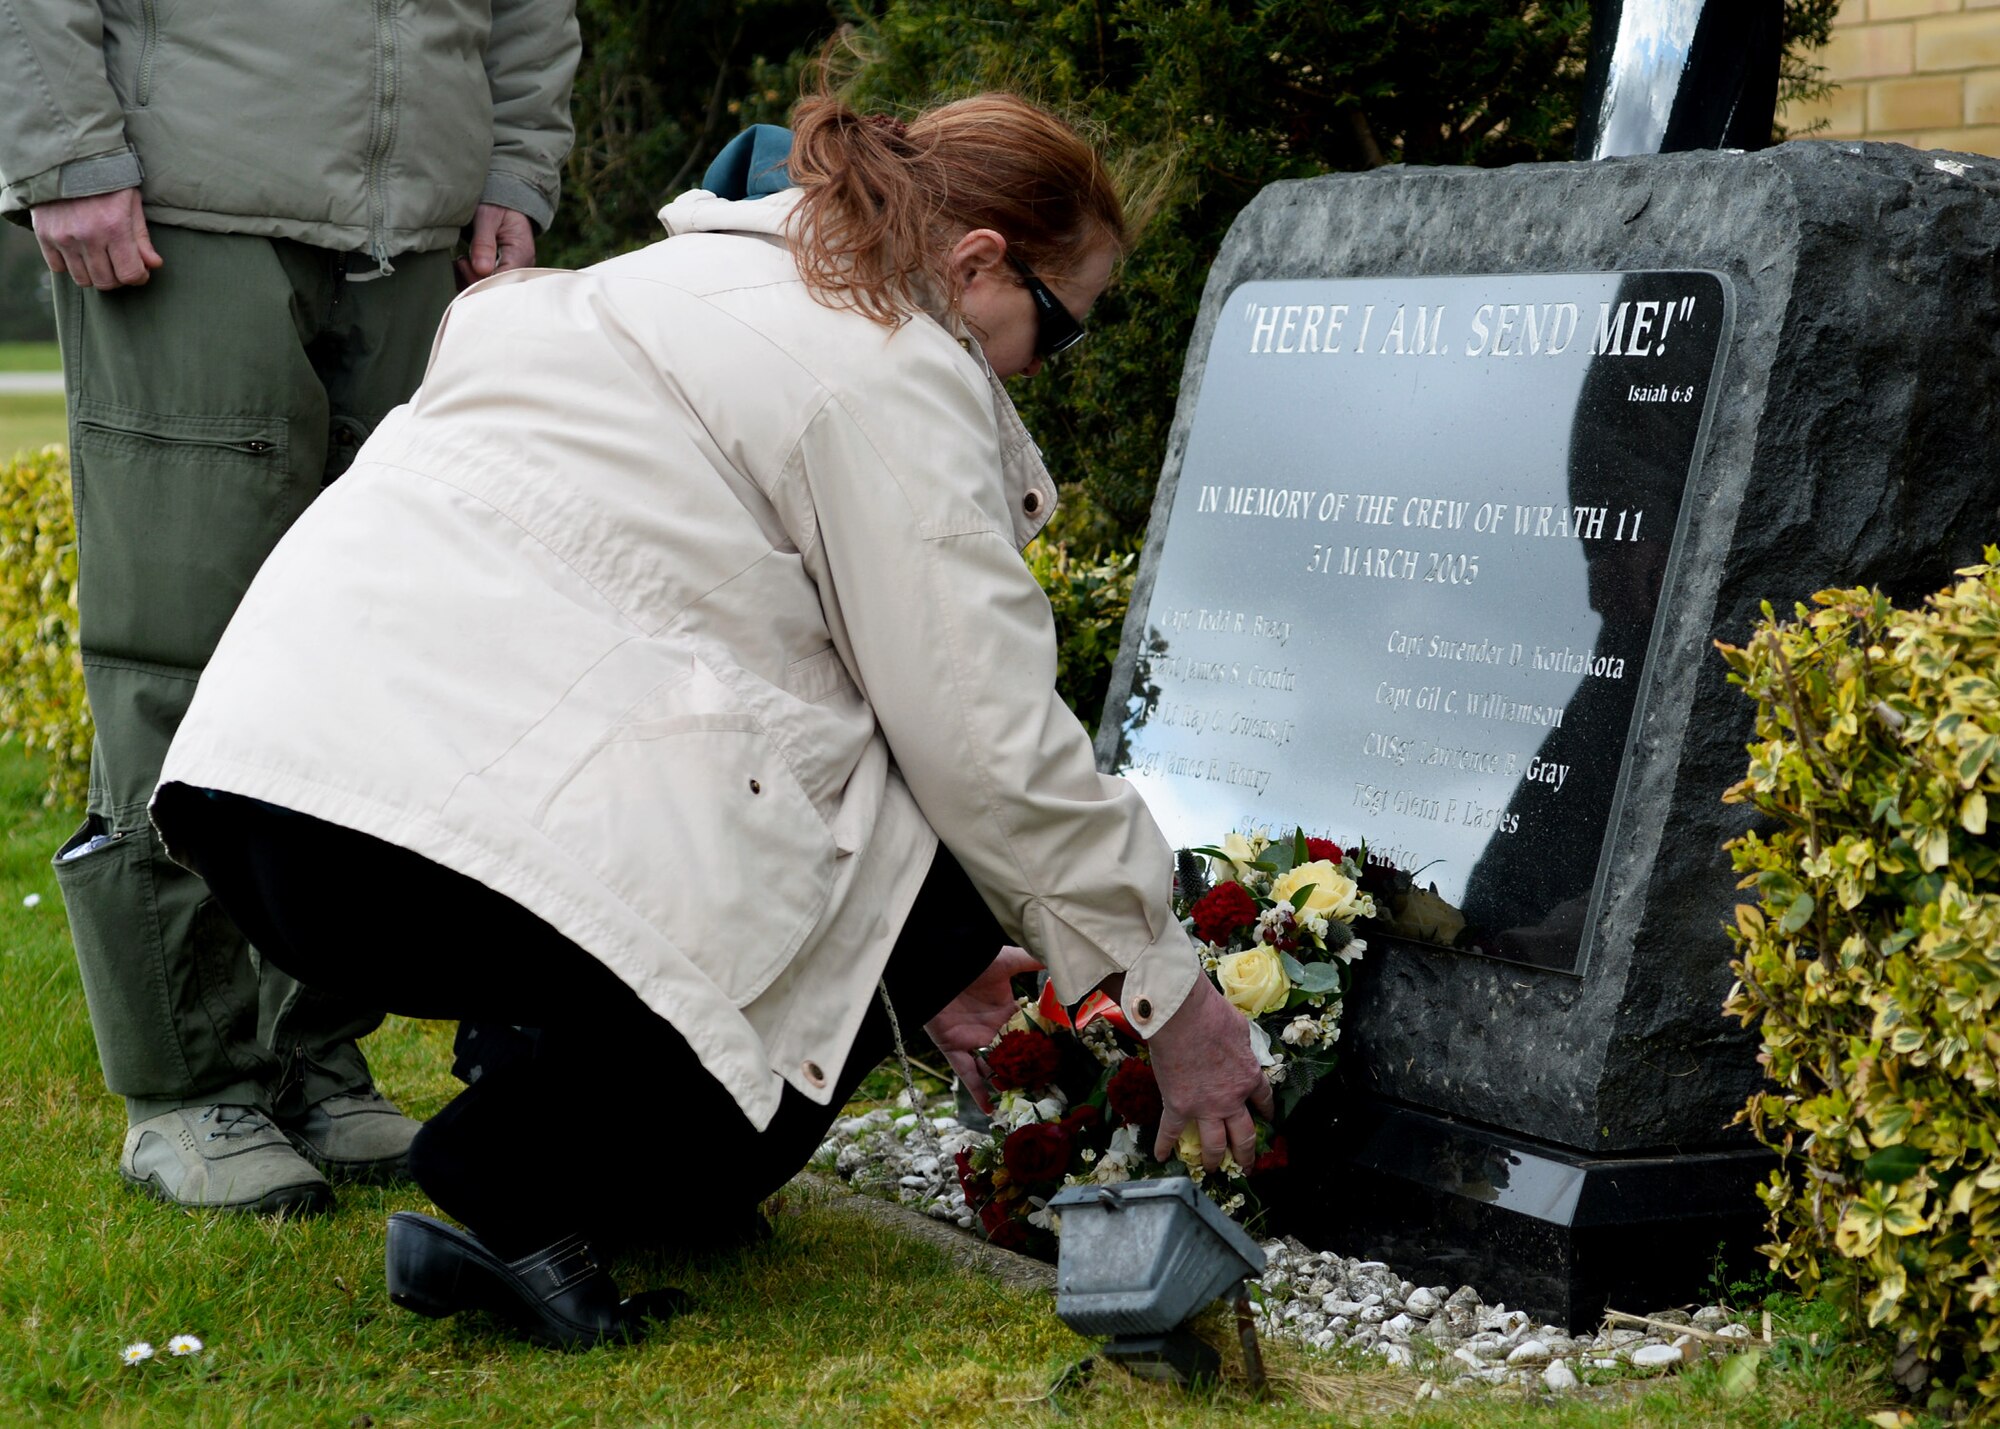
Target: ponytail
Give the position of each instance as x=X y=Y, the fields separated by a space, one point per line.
x=883 y=201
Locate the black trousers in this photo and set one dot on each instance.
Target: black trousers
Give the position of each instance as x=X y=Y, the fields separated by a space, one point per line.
x=612 y=1127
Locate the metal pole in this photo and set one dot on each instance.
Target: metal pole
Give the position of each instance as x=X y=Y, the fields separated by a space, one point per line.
x=1669 y=75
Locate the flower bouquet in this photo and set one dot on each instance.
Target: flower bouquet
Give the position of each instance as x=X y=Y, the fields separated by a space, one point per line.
x=1076 y=1099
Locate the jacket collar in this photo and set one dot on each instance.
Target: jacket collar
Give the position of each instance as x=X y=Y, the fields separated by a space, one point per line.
x=1031 y=491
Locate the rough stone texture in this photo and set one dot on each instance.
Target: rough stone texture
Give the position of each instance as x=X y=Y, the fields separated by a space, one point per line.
x=1853 y=443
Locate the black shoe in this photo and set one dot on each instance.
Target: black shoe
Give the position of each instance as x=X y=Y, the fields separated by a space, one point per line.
x=558 y=1295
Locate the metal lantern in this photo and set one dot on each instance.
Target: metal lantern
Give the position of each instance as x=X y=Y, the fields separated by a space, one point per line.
x=1140 y=1258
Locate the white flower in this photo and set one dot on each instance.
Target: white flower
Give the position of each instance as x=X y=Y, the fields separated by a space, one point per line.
x=1354 y=949
x=1275 y=1075
x=1260 y=1043
x=184 y=1345
x=137 y=1353
x=1301 y=1031
x=1116 y=1163
x=33 y=900
x=1086 y=1155
x=1234 y=1204
x=1042 y=1217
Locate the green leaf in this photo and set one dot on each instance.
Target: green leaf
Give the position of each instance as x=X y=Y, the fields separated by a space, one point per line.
x=1299 y=853
x=1316 y=977
x=1893 y=1164
x=1300 y=898
x=1738 y=1376
x=1301 y=1077
x=1294 y=969
x=1797 y=915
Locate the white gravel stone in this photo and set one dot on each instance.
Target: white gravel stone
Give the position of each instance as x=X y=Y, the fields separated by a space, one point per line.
x=1313 y=1298
x=1528 y=1352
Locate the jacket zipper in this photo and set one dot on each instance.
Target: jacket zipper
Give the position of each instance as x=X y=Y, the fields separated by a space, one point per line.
x=250 y=446
x=382 y=134
x=149 y=46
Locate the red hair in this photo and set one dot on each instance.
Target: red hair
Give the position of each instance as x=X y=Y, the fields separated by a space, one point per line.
x=884 y=201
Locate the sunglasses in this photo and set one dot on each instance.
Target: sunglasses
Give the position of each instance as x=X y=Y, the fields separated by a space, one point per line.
x=1056 y=328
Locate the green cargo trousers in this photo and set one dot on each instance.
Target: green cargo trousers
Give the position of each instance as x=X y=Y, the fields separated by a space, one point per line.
x=207 y=409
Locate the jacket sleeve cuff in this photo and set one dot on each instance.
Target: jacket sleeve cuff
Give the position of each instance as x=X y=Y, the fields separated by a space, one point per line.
x=512 y=191
x=1159 y=980
x=79 y=178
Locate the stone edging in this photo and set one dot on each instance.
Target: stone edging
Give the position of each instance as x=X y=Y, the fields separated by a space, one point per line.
x=968 y=1252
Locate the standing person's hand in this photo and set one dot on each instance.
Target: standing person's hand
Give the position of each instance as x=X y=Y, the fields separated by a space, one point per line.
x=969 y=1022
x=100 y=241
x=502 y=238
x=1209 y=1078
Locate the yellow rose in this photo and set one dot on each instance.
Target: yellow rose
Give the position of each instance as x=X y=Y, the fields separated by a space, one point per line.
x=1254 y=981
x=1189 y=1151
x=1241 y=852
x=1333 y=892
x=1421 y=913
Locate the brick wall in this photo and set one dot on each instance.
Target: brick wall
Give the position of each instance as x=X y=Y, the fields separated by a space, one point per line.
x=1919 y=72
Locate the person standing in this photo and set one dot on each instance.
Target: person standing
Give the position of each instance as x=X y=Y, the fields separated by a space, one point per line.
x=255 y=208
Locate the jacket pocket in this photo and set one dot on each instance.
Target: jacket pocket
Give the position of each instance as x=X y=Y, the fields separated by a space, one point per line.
x=691 y=816
x=174 y=516
x=149 y=49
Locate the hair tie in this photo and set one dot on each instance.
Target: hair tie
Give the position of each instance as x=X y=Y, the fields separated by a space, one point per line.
x=889 y=123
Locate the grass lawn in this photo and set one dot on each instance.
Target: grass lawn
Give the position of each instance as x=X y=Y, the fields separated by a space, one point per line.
x=29 y=357
x=834 y=1321
x=31 y=420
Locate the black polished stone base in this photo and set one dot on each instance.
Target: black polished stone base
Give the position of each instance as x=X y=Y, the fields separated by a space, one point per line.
x=1542 y=1228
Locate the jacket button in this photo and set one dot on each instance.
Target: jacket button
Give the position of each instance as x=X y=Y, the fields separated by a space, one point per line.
x=814 y=1074
x=1144 y=1009
x=1032 y=502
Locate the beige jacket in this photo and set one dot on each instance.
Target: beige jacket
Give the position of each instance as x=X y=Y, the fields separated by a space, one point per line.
x=681 y=609
x=356 y=127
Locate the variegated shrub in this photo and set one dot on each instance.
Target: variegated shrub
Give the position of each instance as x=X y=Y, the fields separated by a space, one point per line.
x=1871 y=961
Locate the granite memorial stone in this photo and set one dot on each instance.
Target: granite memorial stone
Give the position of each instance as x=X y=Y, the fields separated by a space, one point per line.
x=1470 y=469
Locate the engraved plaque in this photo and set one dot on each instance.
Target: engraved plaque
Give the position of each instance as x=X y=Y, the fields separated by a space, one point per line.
x=1407 y=589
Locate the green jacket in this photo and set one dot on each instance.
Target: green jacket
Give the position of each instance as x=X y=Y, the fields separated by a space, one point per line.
x=372 y=126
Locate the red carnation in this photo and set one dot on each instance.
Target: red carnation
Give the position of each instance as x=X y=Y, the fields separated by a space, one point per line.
x=1323 y=849
x=1022 y=1061
x=1221 y=911
x=1011 y=1235
x=1134 y=1093
x=992 y=1216
x=1082 y=1120
x=1275 y=1158
x=1039 y=1152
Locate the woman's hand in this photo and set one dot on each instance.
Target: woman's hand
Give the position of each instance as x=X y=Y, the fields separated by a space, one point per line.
x=971 y=1021
x=1209 y=1078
